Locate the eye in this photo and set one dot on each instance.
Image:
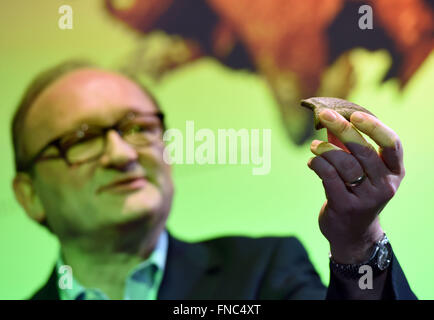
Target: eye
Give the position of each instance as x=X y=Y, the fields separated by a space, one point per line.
x=135 y=129
x=80 y=136
x=142 y=128
x=50 y=152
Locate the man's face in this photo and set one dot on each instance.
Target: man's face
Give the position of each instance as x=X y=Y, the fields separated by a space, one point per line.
x=126 y=183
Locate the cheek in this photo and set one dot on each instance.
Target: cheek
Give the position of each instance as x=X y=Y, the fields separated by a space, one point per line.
x=159 y=171
x=60 y=180
x=152 y=160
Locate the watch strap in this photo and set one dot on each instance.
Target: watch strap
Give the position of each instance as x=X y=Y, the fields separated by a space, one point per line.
x=379 y=261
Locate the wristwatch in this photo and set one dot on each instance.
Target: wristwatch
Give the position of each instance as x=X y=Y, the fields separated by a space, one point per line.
x=379 y=261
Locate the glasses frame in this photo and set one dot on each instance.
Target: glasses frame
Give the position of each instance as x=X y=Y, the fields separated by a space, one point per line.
x=28 y=166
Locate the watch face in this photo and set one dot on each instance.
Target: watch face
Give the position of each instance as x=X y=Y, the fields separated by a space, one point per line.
x=383 y=260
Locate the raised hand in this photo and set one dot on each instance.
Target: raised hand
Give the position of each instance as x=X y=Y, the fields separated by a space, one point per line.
x=358 y=181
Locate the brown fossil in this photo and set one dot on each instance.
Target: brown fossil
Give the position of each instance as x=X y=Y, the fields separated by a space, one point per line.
x=343 y=107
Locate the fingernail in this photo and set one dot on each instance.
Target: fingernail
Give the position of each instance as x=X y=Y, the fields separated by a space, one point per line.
x=327 y=115
x=309 y=162
x=315 y=143
x=357 y=117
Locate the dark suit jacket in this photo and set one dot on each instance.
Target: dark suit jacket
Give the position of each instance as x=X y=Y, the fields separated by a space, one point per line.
x=246 y=268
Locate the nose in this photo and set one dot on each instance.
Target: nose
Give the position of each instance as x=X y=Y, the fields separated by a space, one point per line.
x=118 y=154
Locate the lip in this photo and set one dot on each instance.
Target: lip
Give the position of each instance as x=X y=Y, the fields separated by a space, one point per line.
x=124 y=185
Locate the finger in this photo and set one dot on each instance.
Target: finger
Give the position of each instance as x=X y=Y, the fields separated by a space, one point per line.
x=319 y=147
x=393 y=158
x=364 y=152
x=334 y=187
x=341 y=128
x=389 y=142
x=334 y=140
x=347 y=166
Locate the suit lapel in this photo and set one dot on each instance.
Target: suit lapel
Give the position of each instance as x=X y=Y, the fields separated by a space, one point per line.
x=192 y=271
x=49 y=290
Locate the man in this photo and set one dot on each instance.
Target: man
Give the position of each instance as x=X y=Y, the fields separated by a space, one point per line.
x=89 y=157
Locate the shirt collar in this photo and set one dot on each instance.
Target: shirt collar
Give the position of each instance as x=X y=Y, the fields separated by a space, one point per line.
x=77 y=291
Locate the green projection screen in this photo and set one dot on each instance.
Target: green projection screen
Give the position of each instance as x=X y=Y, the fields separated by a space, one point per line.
x=218 y=200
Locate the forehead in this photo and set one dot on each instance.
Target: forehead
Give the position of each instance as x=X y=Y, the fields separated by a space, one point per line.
x=83 y=96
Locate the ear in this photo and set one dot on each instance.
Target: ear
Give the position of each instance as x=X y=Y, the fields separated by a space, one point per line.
x=27 y=197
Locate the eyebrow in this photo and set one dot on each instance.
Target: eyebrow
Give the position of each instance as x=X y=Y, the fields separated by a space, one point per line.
x=91 y=121
x=123 y=118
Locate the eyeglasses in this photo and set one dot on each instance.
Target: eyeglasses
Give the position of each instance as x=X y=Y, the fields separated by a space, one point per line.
x=88 y=142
